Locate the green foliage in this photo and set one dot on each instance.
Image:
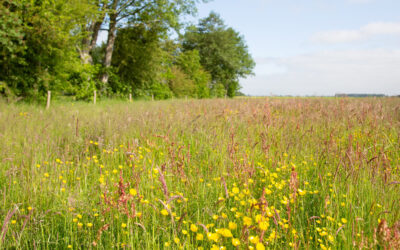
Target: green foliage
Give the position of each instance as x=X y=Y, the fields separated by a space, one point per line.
x=189 y=63
x=218 y=90
x=161 y=91
x=39 y=47
x=77 y=79
x=138 y=58
x=48 y=45
x=223 y=52
x=11 y=35
x=180 y=84
x=12 y=45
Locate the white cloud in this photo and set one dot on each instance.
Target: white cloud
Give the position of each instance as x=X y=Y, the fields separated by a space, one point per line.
x=365 y=32
x=381 y=28
x=330 y=72
x=268 y=66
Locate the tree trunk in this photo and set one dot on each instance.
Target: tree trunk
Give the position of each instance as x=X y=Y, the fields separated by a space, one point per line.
x=90 y=40
x=95 y=32
x=84 y=50
x=110 y=42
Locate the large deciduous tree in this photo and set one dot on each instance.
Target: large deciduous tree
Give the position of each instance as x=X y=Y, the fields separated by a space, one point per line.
x=139 y=60
x=135 y=12
x=38 y=42
x=223 y=53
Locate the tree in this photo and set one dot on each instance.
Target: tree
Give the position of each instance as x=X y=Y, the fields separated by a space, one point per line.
x=12 y=45
x=91 y=28
x=180 y=84
x=189 y=63
x=139 y=60
x=149 y=12
x=223 y=53
x=39 y=46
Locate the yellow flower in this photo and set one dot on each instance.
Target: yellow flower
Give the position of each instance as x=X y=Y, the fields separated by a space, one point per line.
x=269 y=213
x=199 y=237
x=225 y=232
x=235 y=242
x=80 y=224
x=247 y=221
x=167 y=244
x=133 y=192
x=323 y=233
x=89 y=224
x=344 y=221
x=253 y=239
x=177 y=240
x=193 y=228
x=69 y=246
x=232 y=225
x=215 y=217
x=260 y=246
x=213 y=236
x=164 y=212
x=263 y=225
x=214 y=247
x=235 y=190
x=302 y=192
x=13 y=221
x=272 y=236
x=123 y=225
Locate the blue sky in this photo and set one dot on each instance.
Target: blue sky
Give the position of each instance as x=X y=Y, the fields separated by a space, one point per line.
x=317 y=47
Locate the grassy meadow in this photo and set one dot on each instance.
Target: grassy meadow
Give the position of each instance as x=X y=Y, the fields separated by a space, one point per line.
x=248 y=173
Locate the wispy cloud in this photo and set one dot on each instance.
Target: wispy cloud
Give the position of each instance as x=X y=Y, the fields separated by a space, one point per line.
x=329 y=72
x=365 y=32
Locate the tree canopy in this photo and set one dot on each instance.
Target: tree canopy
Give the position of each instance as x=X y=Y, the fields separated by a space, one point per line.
x=52 y=45
x=223 y=52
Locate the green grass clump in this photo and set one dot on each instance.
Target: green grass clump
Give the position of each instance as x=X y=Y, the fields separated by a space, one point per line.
x=244 y=173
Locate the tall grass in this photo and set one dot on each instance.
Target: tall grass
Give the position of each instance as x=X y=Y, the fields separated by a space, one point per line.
x=244 y=173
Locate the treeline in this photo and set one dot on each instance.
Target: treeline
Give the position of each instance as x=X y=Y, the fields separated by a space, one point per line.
x=52 y=45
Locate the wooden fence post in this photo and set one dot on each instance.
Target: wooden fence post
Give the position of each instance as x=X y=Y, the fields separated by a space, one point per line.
x=94 y=97
x=48 y=99
x=152 y=97
x=130 y=97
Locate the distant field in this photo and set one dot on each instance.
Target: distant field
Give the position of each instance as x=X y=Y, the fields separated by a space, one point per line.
x=256 y=173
